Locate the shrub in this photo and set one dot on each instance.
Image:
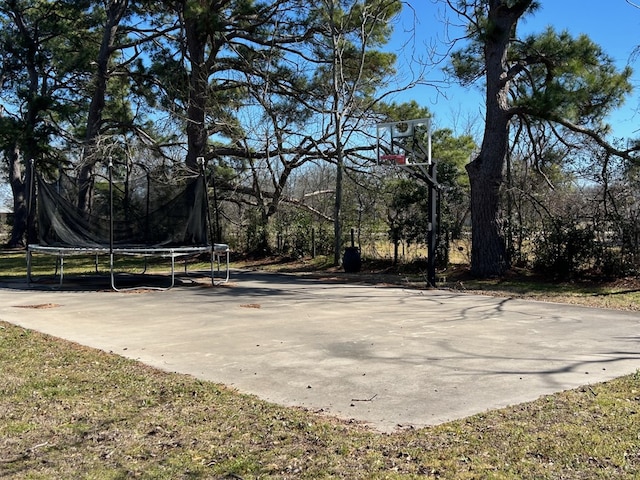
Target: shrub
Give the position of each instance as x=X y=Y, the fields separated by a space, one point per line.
x=565 y=251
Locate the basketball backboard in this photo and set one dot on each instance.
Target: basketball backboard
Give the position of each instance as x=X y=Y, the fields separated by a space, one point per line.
x=407 y=142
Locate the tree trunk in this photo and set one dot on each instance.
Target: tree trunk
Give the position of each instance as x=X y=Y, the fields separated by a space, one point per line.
x=20 y=191
x=337 y=212
x=264 y=242
x=198 y=87
x=337 y=112
x=488 y=252
x=196 y=128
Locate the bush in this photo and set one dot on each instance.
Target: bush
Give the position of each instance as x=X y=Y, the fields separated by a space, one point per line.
x=565 y=251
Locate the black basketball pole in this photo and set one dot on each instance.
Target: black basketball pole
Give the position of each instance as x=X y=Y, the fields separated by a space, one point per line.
x=432 y=229
x=403 y=138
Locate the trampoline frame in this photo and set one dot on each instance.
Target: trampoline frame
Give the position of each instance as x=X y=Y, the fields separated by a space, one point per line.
x=219 y=252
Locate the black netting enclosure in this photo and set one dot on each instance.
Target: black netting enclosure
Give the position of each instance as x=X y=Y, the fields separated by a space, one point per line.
x=138 y=211
x=133 y=210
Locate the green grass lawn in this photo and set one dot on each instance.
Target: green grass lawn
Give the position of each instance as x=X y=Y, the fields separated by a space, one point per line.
x=67 y=411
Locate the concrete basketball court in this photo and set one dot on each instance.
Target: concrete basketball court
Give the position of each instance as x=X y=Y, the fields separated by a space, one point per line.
x=387 y=356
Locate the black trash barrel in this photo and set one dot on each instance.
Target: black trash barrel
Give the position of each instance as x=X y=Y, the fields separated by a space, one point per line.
x=351 y=261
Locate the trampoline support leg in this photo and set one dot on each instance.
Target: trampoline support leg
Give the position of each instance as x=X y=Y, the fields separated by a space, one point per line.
x=61 y=258
x=29 y=254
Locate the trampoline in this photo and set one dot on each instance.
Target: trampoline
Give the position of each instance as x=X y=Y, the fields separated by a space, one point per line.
x=219 y=257
x=134 y=216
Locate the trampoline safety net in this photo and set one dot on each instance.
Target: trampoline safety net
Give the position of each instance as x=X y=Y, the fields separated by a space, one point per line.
x=137 y=211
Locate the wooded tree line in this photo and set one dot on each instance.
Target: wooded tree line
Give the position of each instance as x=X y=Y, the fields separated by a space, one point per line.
x=281 y=98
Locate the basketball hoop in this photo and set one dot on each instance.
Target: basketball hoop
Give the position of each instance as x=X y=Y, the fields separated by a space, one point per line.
x=397 y=159
x=404 y=143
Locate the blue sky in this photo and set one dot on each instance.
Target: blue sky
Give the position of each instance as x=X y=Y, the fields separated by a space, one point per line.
x=612 y=24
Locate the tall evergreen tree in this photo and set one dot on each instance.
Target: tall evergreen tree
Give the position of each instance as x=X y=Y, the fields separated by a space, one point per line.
x=46 y=54
x=553 y=77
